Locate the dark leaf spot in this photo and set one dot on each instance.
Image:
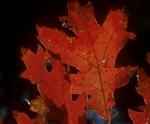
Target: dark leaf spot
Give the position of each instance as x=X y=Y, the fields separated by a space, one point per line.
x=73 y=70
x=54 y=55
x=48 y=66
x=74 y=96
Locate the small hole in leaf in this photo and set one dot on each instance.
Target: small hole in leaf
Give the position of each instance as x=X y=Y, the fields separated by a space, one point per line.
x=48 y=66
x=69 y=32
x=74 y=96
x=73 y=70
x=54 y=55
x=70 y=69
x=89 y=96
x=65 y=65
x=66 y=74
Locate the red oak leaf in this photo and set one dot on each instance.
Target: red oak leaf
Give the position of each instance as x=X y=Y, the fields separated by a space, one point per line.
x=22 y=118
x=52 y=84
x=38 y=74
x=143 y=89
x=93 y=52
x=34 y=64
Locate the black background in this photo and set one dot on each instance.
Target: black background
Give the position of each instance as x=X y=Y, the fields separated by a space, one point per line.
x=18 y=28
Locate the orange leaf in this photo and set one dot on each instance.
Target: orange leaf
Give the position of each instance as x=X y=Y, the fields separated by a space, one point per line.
x=93 y=52
x=143 y=89
x=34 y=64
x=22 y=118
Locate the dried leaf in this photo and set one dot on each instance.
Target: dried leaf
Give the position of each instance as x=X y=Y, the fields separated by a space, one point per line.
x=38 y=105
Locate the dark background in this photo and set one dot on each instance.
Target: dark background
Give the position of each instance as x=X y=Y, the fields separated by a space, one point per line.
x=18 y=21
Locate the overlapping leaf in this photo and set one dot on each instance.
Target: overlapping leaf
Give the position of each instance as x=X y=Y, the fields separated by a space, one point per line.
x=143 y=89
x=52 y=84
x=93 y=52
x=22 y=118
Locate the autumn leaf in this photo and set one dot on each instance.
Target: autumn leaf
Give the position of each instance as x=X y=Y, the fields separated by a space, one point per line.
x=143 y=89
x=38 y=74
x=93 y=52
x=39 y=106
x=22 y=118
x=34 y=64
x=50 y=81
